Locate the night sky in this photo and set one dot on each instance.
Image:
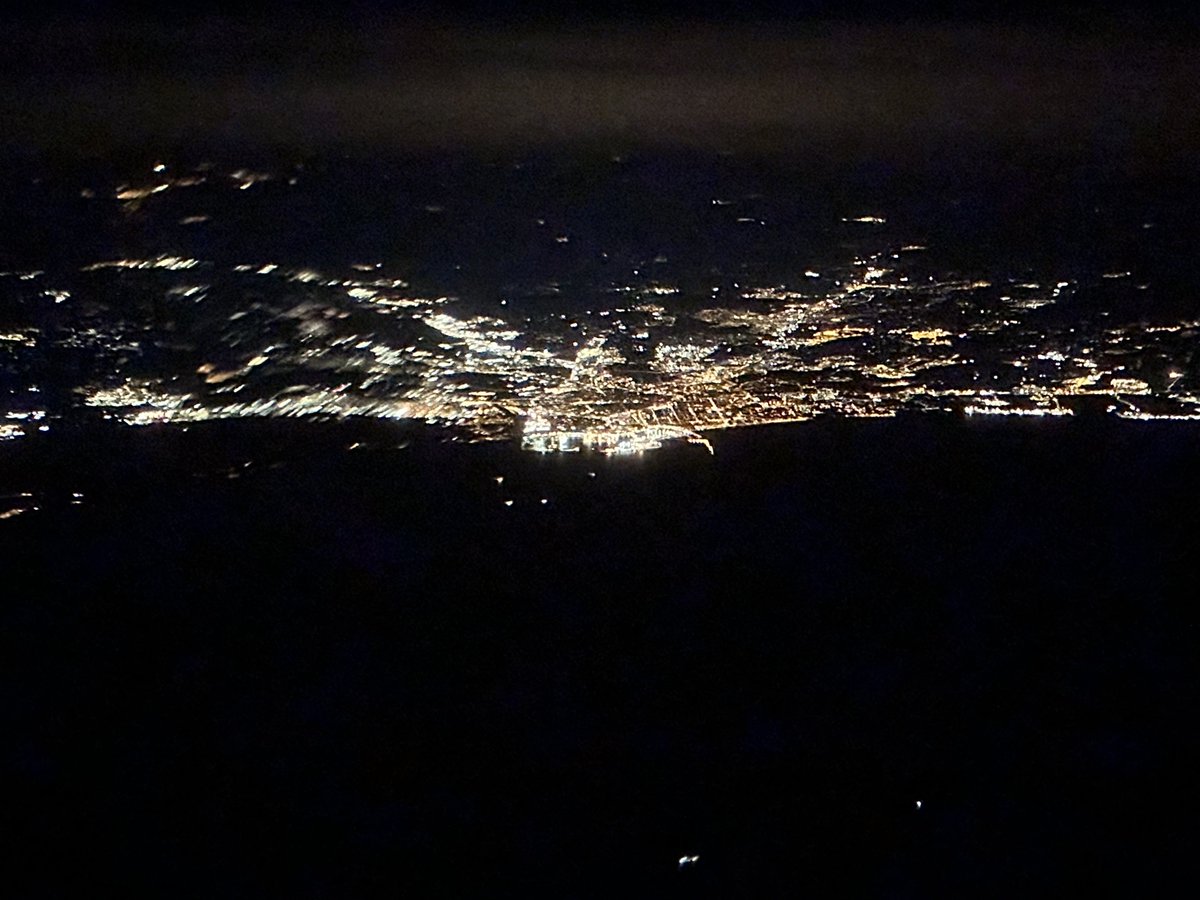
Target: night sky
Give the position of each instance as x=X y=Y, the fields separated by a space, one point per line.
x=905 y=78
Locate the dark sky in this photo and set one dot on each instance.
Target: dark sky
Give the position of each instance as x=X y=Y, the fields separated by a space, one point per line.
x=724 y=10
x=87 y=77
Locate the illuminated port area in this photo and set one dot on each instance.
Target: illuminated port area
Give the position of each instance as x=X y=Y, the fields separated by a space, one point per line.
x=620 y=366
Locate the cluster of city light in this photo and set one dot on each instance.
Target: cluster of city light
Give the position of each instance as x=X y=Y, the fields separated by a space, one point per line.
x=161 y=180
x=159 y=262
x=647 y=364
x=540 y=436
x=722 y=371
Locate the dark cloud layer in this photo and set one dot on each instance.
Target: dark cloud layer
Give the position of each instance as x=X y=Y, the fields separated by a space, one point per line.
x=808 y=87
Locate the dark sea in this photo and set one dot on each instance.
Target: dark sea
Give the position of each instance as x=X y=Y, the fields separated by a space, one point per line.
x=904 y=606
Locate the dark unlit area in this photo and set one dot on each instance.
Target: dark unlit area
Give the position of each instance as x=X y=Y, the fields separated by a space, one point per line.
x=903 y=88
x=764 y=657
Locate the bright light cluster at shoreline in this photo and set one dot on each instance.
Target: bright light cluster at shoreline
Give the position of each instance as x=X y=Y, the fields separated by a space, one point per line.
x=635 y=375
x=622 y=367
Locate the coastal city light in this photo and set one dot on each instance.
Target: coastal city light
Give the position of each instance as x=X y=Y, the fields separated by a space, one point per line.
x=642 y=363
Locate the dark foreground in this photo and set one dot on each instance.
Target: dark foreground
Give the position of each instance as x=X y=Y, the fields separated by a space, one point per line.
x=354 y=673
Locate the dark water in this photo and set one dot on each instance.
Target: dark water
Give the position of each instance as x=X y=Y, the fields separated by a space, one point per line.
x=360 y=673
